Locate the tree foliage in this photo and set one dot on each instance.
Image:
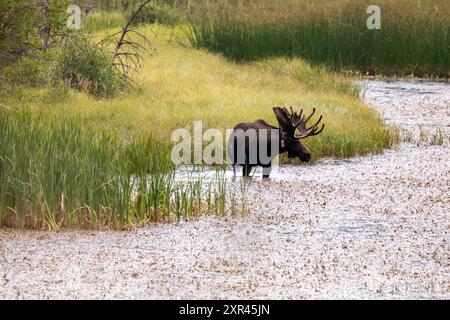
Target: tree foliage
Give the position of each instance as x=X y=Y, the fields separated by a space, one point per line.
x=30 y=25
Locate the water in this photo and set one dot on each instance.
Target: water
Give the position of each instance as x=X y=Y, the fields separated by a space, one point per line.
x=410 y=105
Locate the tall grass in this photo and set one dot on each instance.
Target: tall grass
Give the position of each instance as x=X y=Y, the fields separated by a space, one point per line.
x=414 y=37
x=102 y=20
x=109 y=15
x=60 y=173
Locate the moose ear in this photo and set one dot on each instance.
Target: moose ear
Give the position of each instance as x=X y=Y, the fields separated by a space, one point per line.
x=282 y=118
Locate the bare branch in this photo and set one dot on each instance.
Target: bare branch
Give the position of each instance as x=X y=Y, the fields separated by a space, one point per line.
x=130 y=60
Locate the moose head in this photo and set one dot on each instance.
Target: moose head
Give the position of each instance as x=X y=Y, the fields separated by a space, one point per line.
x=290 y=122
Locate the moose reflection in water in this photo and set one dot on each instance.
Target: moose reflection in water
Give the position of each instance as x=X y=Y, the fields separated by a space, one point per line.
x=258 y=143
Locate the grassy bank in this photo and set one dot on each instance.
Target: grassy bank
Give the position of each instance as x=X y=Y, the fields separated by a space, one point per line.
x=413 y=39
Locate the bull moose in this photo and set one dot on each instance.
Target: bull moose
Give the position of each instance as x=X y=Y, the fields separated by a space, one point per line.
x=258 y=143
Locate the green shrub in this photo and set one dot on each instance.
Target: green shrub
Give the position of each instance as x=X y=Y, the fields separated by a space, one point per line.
x=33 y=71
x=157 y=14
x=85 y=67
x=26 y=27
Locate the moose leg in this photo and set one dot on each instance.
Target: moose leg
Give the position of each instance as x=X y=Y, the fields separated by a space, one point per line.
x=267 y=169
x=246 y=170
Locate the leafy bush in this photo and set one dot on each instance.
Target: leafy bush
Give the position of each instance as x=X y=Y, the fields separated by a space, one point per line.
x=30 y=25
x=31 y=70
x=157 y=14
x=83 y=66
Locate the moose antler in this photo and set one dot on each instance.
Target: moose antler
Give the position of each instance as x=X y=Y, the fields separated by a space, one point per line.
x=301 y=125
x=298 y=122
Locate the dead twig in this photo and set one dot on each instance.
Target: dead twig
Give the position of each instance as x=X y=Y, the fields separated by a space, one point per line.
x=127 y=57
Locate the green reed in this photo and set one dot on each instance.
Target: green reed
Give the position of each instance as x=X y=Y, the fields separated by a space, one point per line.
x=60 y=173
x=413 y=39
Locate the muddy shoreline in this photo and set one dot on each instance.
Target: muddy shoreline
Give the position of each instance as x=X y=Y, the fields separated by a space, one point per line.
x=366 y=227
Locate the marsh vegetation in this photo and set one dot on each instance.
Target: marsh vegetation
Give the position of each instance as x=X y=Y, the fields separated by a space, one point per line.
x=62 y=173
x=95 y=153
x=413 y=38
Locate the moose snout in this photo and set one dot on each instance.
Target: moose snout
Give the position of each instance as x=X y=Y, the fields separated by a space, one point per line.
x=305 y=157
